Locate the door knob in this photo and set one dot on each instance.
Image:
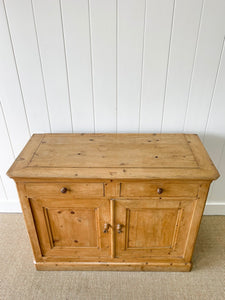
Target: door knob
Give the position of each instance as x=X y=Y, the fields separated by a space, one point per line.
x=159 y=191
x=63 y=190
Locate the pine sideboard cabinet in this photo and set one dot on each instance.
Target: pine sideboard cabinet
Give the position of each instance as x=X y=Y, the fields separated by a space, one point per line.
x=113 y=201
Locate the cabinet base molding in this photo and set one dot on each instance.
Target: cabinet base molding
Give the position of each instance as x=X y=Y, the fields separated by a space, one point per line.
x=110 y=266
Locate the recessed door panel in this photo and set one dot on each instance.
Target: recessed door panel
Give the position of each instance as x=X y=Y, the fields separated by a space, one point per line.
x=149 y=228
x=152 y=228
x=72 y=228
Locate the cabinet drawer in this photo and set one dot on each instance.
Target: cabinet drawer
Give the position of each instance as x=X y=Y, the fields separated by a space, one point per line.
x=65 y=190
x=161 y=189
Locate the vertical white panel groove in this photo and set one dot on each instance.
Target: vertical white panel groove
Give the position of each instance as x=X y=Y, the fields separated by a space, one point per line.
x=142 y=65
x=117 y=27
x=193 y=64
x=218 y=166
x=66 y=65
x=41 y=65
x=16 y=67
x=103 y=42
x=6 y=126
x=91 y=61
x=168 y=61
x=7 y=157
x=130 y=36
x=221 y=156
x=214 y=88
x=6 y=196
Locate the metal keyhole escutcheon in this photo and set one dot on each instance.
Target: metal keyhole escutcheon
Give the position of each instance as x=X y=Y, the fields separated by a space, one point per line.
x=119 y=228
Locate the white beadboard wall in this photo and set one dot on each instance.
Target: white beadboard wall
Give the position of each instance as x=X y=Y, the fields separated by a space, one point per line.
x=112 y=66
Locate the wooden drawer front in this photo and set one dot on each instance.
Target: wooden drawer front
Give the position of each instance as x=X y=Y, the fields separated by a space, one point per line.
x=75 y=190
x=161 y=189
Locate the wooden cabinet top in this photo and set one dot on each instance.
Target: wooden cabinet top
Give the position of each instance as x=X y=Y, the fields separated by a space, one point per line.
x=114 y=156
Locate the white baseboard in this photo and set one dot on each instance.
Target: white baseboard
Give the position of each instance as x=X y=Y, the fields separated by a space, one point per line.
x=214 y=209
x=10 y=207
x=210 y=209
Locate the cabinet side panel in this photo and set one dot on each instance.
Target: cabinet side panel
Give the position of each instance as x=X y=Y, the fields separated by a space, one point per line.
x=196 y=220
x=29 y=221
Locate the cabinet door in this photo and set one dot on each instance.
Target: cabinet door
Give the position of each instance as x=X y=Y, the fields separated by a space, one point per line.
x=71 y=228
x=151 y=228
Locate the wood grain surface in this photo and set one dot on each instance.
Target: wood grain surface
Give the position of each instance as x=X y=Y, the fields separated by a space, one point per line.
x=147 y=219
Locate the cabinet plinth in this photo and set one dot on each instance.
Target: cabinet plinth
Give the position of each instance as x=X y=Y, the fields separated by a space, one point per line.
x=113 y=201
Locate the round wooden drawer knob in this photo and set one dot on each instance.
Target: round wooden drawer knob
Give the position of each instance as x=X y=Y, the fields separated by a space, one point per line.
x=63 y=190
x=159 y=191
